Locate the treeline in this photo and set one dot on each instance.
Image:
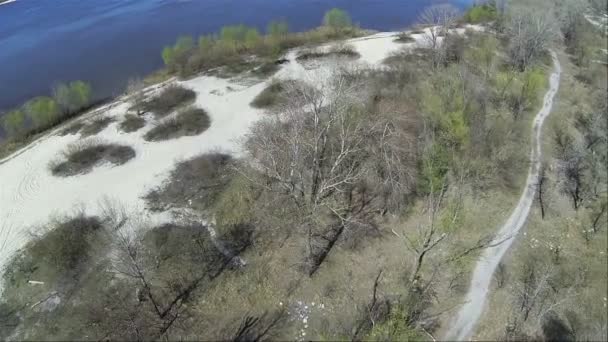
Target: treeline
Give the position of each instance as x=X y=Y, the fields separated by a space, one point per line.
x=232 y=44
x=43 y=112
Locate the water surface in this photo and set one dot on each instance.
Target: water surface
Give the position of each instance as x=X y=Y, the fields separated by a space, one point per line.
x=106 y=42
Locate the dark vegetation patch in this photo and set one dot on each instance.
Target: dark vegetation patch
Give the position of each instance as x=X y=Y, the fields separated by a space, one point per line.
x=195 y=183
x=233 y=69
x=82 y=291
x=60 y=254
x=96 y=126
x=267 y=69
x=269 y=96
x=168 y=100
x=344 y=51
x=82 y=157
x=188 y=122
x=404 y=37
x=276 y=93
x=72 y=129
x=132 y=123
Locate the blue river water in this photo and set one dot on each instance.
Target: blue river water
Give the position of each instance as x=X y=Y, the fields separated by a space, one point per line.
x=106 y=42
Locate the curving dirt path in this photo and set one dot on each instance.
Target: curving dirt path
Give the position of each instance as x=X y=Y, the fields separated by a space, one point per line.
x=463 y=326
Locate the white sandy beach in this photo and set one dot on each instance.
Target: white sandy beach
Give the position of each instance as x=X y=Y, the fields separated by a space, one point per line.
x=30 y=195
x=7 y=2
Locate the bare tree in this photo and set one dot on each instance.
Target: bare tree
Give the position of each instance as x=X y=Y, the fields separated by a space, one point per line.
x=570 y=14
x=161 y=294
x=531 y=32
x=137 y=97
x=439 y=19
x=313 y=152
x=541 y=189
x=573 y=170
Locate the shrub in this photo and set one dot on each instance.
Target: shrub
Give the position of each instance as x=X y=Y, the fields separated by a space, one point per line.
x=60 y=253
x=13 y=122
x=169 y=99
x=266 y=70
x=81 y=157
x=132 y=123
x=73 y=96
x=73 y=128
x=194 y=183
x=270 y=95
x=96 y=126
x=172 y=54
x=480 y=14
x=277 y=28
x=405 y=37
x=337 y=19
x=190 y=121
x=232 y=43
x=338 y=50
x=43 y=111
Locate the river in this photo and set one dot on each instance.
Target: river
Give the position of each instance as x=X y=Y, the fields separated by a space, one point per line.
x=106 y=42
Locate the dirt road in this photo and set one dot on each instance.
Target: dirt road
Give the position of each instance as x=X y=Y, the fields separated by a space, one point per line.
x=464 y=324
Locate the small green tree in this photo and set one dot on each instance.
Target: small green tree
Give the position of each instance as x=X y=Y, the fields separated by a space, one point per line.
x=43 y=111
x=252 y=38
x=205 y=43
x=337 y=19
x=168 y=55
x=277 y=28
x=13 y=122
x=81 y=93
x=73 y=96
x=61 y=94
x=171 y=54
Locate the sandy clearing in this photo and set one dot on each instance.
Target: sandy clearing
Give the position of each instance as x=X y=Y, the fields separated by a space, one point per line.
x=466 y=320
x=30 y=195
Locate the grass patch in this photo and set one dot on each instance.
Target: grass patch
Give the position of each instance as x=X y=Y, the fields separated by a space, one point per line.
x=81 y=157
x=132 y=123
x=96 y=126
x=171 y=98
x=194 y=183
x=188 y=122
x=336 y=51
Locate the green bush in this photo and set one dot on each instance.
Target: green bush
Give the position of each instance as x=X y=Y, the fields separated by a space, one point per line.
x=172 y=54
x=72 y=96
x=13 y=122
x=277 y=28
x=481 y=14
x=232 y=44
x=43 y=111
x=337 y=19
